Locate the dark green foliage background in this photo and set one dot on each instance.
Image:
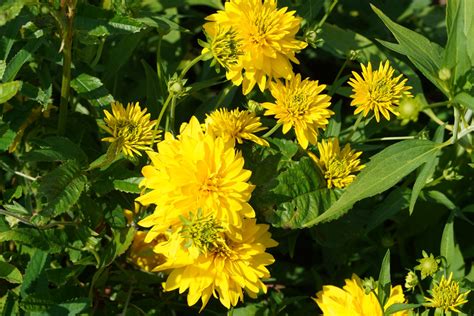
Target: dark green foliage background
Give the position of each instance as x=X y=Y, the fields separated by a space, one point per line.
x=63 y=233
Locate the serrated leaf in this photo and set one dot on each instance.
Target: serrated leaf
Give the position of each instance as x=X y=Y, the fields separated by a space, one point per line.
x=34 y=304
x=426 y=171
x=383 y=171
x=33 y=271
x=62 y=188
x=92 y=89
x=300 y=195
x=121 y=242
x=23 y=55
x=451 y=251
x=425 y=55
x=9 y=9
x=9 y=304
x=56 y=148
x=384 y=282
x=10 y=273
x=8 y=90
x=129 y=185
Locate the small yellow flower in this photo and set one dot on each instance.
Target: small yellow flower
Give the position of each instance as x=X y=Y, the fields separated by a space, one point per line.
x=142 y=254
x=208 y=260
x=446 y=296
x=301 y=105
x=194 y=171
x=377 y=90
x=235 y=125
x=353 y=300
x=338 y=167
x=264 y=41
x=428 y=266
x=130 y=127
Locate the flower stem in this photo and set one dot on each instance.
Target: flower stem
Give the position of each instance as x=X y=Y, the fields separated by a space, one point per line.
x=189 y=65
x=388 y=139
x=273 y=130
x=69 y=11
x=457 y=114
x=328 y=12
x=333 y=86
x=435 y=119
x=172 y=113
x=437 y=104
x=160 y=117
x=354 y=128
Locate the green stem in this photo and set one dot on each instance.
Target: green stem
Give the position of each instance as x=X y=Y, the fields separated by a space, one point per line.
x=354 y=128
x=333 y=86
x=328 y=12
x=388 y=139
x=172 y=113
x=189 y=65
x=160 y=117
x=421 y=289
x=437 y=104
x=70 y=11
x=98 y=54
x=273 y=130
x=457 y=114
x=127 y=302
x=435 y=119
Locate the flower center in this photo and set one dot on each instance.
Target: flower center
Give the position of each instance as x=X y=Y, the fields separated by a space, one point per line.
x=297 y=105
x=210 y=185
x=337 y=168
x=206 y=235
x=128 y=129
x=381 y=91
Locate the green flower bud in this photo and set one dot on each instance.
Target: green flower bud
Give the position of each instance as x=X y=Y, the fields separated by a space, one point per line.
x=411 y=280
x=255 y=107
x=444 y=74
x=369 y=285
x=428 y=266
x=409 y=109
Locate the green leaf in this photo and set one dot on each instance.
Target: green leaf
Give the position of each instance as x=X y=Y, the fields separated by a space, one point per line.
x=9 y=304
x=7 y=136
x=300 y=195
x=10 y=273
x=9 y=9
x=384 y=282
x=154 y=89
x=121 y=242
x=465 y=99
x=426 y=171
x=216 y=4
x=396 y=201
x=33 y=271
x=451 y=251
x=56 y=148
x=334 y=126
x=62 y=188
x=383 y=171
x=92 y=89
x=8 y=90
x=129 y=185
x=23 y=55
x=341 y=42
x=398 y=307
x=459 y=52
x=425 y=55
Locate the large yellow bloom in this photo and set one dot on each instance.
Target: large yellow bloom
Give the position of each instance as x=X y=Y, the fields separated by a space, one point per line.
x=301 y=105
x=352 y=300
x=377 y=90
x=446 y=295
x=206 y=259
x=131 y=128
x=235 y=125
x=195 y=171
x=338 y=167
x=260 y=39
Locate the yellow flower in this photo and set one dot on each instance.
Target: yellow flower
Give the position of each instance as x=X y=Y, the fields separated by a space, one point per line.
x=208 y=260
x=352 y=300
x=224 y=48
x=141 y=253
x=265 y=41
x=197 y=170
x=130 y=127
x=235 y=125
x=377 y=90
x=338 y=167
x=446 y=295
x=300 y=104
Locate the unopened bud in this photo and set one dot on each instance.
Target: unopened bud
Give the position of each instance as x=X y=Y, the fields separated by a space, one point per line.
x=444 y=74
x=255 y=107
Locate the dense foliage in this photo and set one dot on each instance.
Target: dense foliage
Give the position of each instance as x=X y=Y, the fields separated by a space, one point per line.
x=258 y=159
